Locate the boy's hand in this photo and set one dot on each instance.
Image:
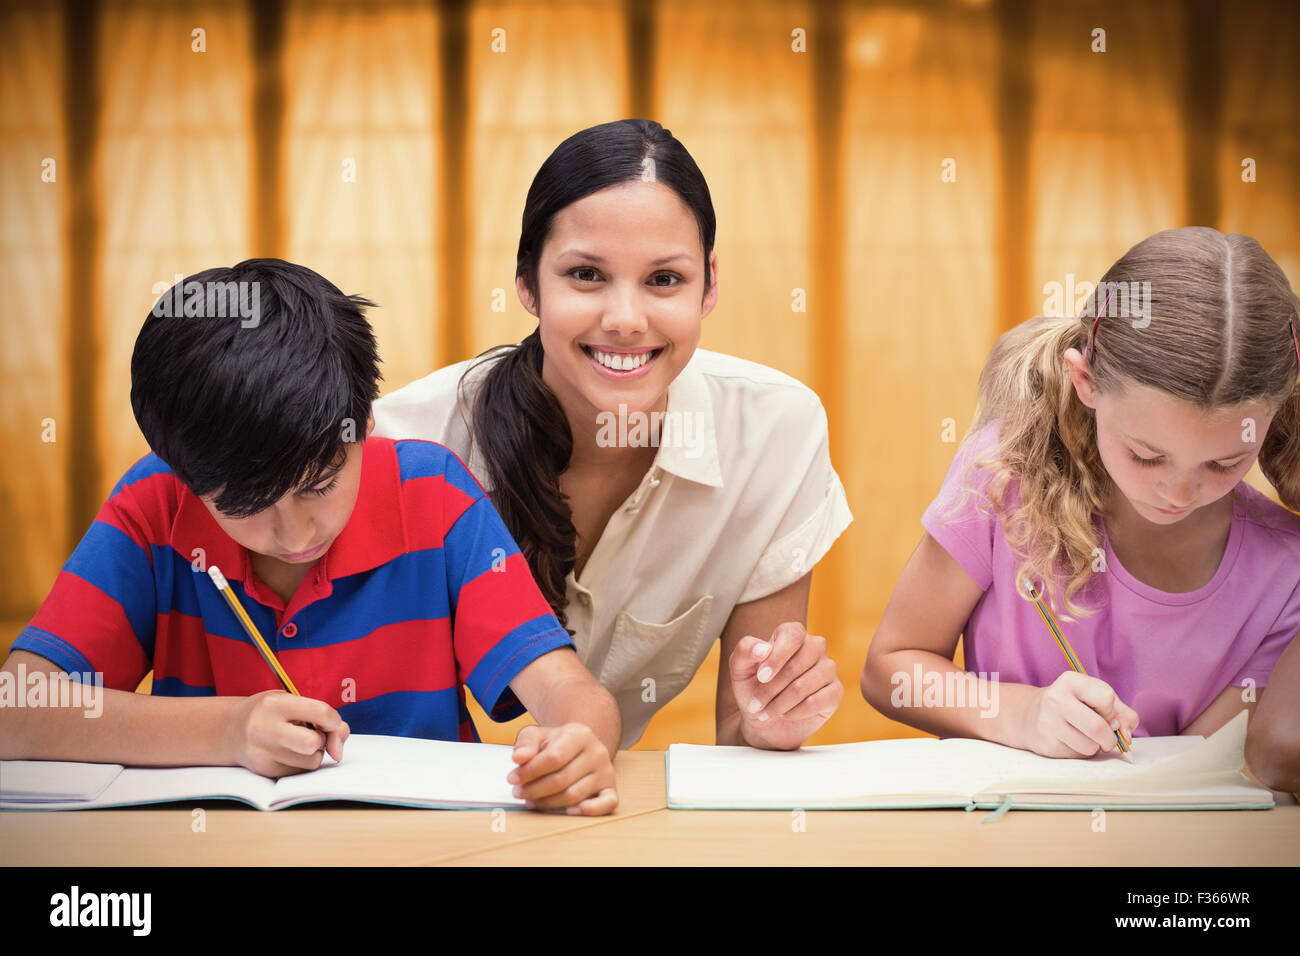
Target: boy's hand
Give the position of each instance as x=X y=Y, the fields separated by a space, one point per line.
x=267 y=733
x=786 y=687
x=565 y=766
x=1076 y=716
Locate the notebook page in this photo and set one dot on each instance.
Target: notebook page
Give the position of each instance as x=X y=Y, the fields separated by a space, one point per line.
x=142 y=785
x=408 y=770
x=832 y=775
x=1160 y=764
x=163 y=784
x=37 y=781
x=982 y=765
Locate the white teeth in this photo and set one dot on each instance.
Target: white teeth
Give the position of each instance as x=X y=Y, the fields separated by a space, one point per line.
x=619 y=362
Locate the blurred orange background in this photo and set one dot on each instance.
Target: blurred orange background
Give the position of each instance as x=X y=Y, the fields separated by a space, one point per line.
x=919 y=174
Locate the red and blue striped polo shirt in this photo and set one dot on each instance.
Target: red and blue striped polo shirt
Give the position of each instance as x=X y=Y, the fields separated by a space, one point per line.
x=422 y=593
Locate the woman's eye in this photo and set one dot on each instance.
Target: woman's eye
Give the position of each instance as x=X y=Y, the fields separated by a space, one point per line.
x=661 y=280
x=1144 y=462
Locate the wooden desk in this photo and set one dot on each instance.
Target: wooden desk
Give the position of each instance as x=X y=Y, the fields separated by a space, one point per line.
x=919 y=838
x=643 y=832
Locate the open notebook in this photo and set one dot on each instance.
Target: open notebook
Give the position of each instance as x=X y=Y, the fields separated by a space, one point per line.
x=1167 y=773
x=405 y=771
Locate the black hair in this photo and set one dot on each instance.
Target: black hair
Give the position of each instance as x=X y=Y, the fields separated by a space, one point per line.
x=518 y=422
x=244 y=380
x=609 y=155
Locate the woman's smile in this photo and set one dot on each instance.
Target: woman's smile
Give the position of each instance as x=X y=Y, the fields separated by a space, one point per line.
x=621 y=363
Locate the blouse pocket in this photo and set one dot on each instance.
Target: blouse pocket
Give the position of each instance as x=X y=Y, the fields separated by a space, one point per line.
x=668 y=653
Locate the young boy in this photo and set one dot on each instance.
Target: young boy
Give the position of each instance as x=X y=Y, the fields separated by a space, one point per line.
x=377 y=571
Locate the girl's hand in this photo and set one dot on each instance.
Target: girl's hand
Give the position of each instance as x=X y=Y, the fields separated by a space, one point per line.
x=786 y=687
x=565 y=766
x=267 y=735
x=1076 y=717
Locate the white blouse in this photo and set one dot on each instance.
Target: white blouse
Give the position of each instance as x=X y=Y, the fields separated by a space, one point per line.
x=740 y=502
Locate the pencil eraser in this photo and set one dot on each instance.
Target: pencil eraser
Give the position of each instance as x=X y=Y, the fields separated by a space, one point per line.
x=218 y=578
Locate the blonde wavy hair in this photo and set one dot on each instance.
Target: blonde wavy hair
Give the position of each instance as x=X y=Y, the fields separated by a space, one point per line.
x=1220 y=334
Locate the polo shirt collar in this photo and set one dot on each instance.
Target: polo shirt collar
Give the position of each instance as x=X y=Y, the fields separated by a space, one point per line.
x=373 y=536
x=690 y=446
x=376 y=533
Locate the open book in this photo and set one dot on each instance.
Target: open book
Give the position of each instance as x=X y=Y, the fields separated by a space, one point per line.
x=1167 y=773
x=405 y=771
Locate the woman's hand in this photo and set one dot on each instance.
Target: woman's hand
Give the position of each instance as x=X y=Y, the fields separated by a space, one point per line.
x=786 y=687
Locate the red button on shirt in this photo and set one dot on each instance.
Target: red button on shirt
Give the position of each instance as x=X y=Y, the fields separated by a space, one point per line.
x=289 y=629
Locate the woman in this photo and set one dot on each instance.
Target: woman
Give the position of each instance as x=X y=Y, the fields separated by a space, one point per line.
x=663 y=496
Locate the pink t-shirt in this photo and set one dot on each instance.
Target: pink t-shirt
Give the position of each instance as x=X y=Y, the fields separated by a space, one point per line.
x=1166 y=655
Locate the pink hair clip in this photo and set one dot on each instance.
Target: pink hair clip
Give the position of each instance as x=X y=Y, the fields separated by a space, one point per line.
x=1092 y=337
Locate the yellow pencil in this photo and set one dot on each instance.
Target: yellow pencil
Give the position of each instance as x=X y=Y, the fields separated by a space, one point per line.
x=1125 y=747
x=223 y=586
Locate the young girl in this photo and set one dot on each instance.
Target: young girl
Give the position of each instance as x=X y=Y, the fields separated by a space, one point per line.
x=1105 y=468
x=664 y=496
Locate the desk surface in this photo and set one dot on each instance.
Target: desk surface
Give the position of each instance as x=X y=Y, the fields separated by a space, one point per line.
x=643 y=832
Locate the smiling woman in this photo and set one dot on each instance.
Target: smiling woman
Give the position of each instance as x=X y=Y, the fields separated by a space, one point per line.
x=664 y=496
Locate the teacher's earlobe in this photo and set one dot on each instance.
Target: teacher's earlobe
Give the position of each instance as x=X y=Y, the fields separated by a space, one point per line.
x=711 y=294
x=525 y=297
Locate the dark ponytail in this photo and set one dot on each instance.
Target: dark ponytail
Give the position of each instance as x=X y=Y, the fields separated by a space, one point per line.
x=525 y=440
x=517 y=423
